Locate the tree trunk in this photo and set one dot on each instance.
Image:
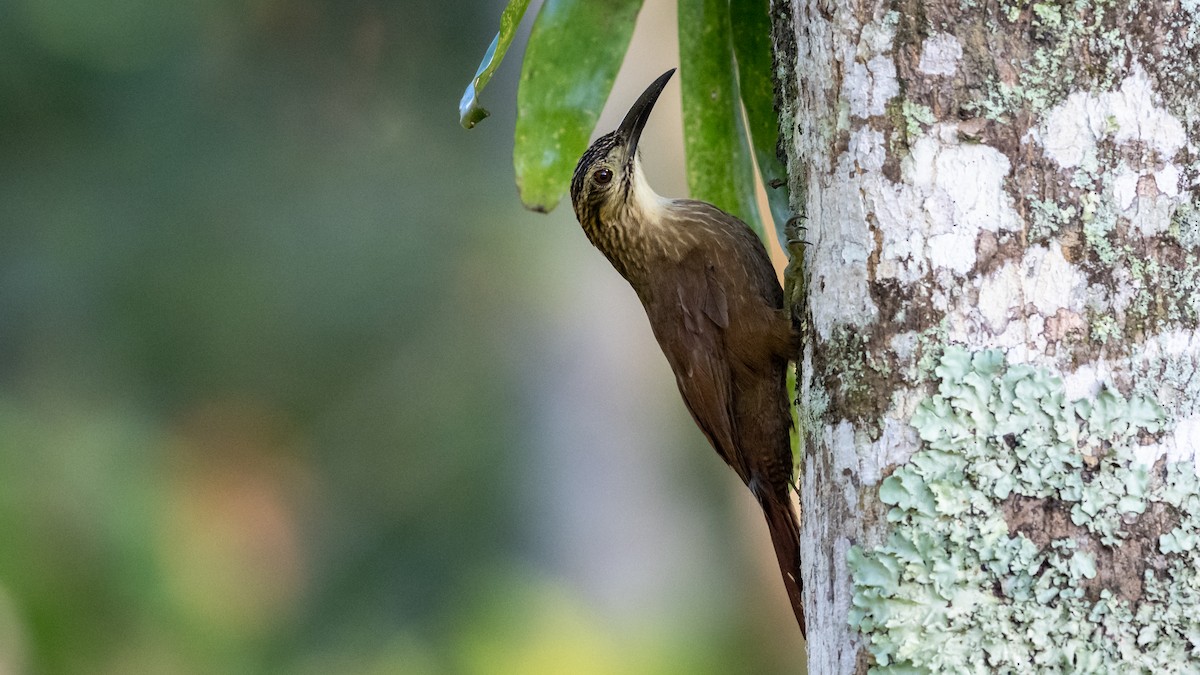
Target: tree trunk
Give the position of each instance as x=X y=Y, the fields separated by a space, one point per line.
x=1000 y=388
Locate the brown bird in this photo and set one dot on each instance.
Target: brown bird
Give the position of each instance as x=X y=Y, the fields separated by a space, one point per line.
x=716 y=308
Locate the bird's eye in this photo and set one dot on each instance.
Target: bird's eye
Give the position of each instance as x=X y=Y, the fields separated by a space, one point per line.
x=602 y=176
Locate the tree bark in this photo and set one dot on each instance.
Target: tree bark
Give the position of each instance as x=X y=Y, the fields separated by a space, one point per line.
x=999 y=390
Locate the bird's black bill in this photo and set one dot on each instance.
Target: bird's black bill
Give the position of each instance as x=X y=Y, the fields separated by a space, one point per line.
x=635 y=120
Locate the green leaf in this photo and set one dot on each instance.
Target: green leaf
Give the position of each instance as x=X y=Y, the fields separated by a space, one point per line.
x=719 y=165
x=751 y=23
x=470 y=112
x=572 y=59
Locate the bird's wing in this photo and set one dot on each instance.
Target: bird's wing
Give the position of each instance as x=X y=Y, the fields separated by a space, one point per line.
x=760 y=270
x=690 y=323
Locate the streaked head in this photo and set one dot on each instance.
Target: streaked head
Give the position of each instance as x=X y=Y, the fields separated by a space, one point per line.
x=607 y=173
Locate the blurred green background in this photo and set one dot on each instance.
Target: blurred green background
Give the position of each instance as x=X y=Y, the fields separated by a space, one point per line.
x=290 y=383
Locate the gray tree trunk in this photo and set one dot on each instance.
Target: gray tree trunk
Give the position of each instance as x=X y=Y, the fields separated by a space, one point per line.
x=1000 y=389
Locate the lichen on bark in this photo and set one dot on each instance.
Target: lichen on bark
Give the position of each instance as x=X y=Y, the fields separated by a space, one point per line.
x=1019 y=534
x=1016 y=178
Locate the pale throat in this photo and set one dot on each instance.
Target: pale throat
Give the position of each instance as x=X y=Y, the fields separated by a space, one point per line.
x=643 y=200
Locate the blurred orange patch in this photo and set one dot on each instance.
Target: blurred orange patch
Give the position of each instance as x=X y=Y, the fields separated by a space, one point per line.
x=229 y=541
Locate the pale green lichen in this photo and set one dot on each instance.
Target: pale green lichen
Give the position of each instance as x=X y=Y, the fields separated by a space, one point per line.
x=953 y=590
x=915 y=115
x=846 y=352
x=1104 y=328
x=1178 y=73
x=853 y=364
x=1051 y=70
x=1185 y=225
x=1160 y=294
x=1171 y=379
x=906 y=117
x=1048 y=217
x=931 y=343
x=1163 y=292
x=1099 y=223
x=816 y=406
x=1048 y=15
x=1089 y=45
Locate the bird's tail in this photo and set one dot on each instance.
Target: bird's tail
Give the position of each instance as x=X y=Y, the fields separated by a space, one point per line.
x=785 y=536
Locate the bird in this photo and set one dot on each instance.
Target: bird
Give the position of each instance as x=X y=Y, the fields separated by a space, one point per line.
x=716 y=309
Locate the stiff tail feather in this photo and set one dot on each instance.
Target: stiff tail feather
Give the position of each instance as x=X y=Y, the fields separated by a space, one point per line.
x=785 y=536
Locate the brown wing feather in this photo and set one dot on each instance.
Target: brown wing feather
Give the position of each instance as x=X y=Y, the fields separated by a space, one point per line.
x=747 y=270
x=689 y=314
x=744 y=241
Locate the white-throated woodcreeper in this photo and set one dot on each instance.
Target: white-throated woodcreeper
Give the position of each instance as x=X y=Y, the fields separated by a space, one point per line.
x=716 y=309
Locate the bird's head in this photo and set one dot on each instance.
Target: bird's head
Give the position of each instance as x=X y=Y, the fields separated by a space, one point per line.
x=608 y=177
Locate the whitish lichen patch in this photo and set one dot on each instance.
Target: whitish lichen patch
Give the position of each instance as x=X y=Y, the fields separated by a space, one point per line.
x=1118 y=154
x=1167 y=369
x=1074 y=128
x=997 y=294
x=842 y=239
x=964 y=180
x=1026 y=306
x=1021 y=537
x=1119 y=149
x=869 y=86
x=940 y=54
x=870 y=80
x=842 y=243
x=1125 y=127
x=949 y=192
x=896 y=439
x=1051 y=282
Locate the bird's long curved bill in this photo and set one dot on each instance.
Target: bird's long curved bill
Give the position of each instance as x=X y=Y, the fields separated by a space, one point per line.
x=635 y=120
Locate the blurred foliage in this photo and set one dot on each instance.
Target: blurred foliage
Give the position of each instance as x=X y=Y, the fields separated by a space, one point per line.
x=261 y=353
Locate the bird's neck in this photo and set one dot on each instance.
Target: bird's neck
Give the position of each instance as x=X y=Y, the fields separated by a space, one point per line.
x=633 y=231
